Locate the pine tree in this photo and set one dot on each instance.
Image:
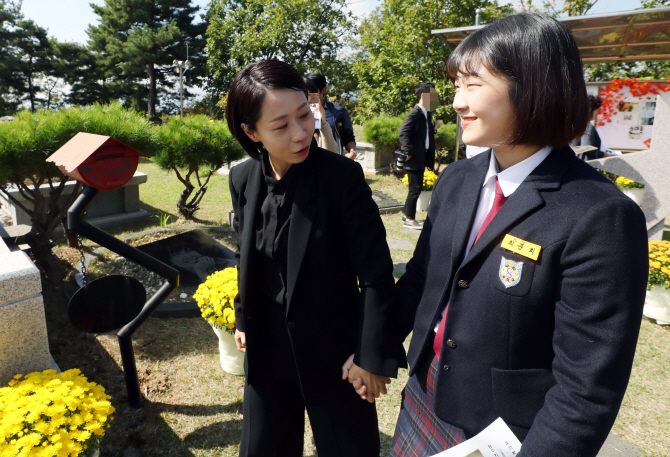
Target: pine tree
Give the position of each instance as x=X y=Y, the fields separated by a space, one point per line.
x=139 y=39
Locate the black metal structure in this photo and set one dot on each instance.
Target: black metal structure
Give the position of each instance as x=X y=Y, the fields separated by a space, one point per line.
x=75 y=218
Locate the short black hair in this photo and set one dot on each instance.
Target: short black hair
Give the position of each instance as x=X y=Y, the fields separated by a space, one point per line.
x=423 y=88
x=318 y=78
x=539 y=58
x=594 y=103
x=311 y=86
x=247 y=92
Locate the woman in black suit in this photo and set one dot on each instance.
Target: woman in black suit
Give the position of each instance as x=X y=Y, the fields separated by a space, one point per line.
x=315 y=276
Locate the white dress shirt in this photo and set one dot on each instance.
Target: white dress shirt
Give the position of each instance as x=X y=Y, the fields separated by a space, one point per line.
x=510 y=179
x=425 y=114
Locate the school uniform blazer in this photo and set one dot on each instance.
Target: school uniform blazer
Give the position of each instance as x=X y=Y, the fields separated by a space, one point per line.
x=412 y=136
x=552 y=354
x=337 y=244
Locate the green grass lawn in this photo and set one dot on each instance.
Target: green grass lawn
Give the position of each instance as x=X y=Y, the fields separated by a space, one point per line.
x=193 y=408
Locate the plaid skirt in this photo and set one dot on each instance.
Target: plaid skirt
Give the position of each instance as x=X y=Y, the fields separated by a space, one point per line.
x=419 y=432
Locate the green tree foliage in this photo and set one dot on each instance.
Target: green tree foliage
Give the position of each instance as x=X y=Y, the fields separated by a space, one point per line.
x=194 y=148
x=396 y=51
x=30 y=54
x=25 y=144
x=304 y=33
x=139 y=39
x=9 y=15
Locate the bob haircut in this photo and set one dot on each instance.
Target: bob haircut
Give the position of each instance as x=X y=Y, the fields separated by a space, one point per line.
x=539 y=58
x=247 y=93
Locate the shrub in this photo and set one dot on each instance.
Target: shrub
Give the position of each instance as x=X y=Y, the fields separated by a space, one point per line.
x=195 y=147
x=382 y=132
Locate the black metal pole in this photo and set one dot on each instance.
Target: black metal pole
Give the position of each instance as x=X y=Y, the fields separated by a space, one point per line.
x=75 y=219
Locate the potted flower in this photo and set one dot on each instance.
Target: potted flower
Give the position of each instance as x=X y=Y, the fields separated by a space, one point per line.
x=215 y=298
x=657 y=301
x=51 y=413
x=429 y=178
x=630 y=188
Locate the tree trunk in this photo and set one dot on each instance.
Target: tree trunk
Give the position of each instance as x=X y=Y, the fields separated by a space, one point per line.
x=184 y=209
x=152 y=89
x=30 y=88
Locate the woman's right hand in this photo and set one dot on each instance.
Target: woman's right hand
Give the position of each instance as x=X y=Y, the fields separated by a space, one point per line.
x=241 y=341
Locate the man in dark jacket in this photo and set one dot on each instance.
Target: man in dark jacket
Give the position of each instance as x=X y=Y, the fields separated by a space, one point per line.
x=337 y=117
x=417 y=140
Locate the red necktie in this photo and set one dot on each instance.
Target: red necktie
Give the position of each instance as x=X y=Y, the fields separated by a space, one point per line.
x=498 y=202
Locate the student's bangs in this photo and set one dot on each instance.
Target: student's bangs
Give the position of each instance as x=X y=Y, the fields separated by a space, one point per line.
x=468 y=59
x=539 y=58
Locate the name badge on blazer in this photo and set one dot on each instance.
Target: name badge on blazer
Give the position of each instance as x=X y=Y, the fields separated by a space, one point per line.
x=510 y=272
x=521 y=247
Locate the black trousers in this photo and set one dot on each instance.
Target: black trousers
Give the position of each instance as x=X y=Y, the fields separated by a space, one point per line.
x=274 y=422
x=415 y=178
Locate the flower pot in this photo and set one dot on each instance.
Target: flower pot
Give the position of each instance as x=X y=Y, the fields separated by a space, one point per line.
x=637 y=195
x=657 y=305
x=424 y=200
x=232 y=360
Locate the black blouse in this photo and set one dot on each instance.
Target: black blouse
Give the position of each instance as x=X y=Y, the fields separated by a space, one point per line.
x=272 y=229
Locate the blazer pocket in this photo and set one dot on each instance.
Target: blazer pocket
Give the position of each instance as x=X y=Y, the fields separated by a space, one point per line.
x=512 y=273
x=518 y=395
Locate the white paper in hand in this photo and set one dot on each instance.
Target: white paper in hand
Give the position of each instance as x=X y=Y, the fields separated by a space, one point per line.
x=496 y=440
x=317 y=115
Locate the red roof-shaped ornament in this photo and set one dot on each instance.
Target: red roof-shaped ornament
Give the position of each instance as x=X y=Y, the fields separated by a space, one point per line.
x=97 y=160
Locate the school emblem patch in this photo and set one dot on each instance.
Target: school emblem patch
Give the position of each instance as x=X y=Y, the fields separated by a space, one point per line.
x=510 y=272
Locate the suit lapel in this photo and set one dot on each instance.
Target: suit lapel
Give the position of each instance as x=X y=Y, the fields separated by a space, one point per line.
x=526 y=199
x=467 y=208
x=302 y=218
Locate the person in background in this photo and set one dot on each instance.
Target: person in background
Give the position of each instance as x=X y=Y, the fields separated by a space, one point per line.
x=323 y=136
x=590 y=136
x=519 y=307
x=316 y=285
x=337 y=117
x=417 y=140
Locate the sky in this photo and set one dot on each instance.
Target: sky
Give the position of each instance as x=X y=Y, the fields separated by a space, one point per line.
x=67 y=20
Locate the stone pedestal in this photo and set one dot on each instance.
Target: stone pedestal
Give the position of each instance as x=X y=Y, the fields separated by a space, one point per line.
x=374 y=162
x=111 y=207
x=651 y=168
x=24 y=347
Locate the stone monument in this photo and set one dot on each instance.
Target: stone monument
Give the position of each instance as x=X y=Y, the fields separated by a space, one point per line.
x=651 y=168
x=24 y=347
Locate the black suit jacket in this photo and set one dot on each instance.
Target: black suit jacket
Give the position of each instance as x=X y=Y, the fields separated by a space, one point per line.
x=337 y=244
x=551 y=355
x=412 y=136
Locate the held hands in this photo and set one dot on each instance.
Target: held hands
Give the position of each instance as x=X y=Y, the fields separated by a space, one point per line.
x=369 y=386
x=241 y=341
x=438 y=124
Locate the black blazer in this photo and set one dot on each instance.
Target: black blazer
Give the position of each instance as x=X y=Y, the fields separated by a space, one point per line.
x=551 y=355
x=337 y=244
x=412 y=136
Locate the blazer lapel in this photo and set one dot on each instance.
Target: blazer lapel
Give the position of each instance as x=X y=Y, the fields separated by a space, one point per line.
x=467 y=208
x=302 y=218
x=527 y=198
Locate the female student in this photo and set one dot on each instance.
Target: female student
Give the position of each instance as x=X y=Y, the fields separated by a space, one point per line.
x=315 y=276
x=521 y=308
